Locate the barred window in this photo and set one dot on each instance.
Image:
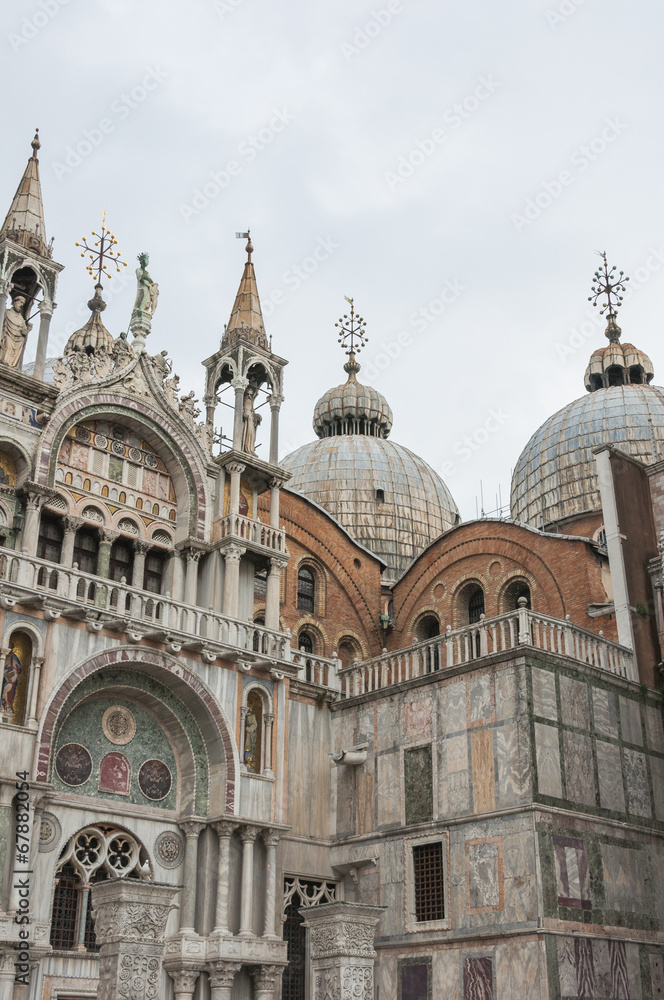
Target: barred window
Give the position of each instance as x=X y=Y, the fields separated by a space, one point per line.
x=306 y=589
x=429 y=879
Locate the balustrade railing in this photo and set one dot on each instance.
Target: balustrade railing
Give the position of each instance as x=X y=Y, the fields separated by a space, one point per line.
x=317 y=669
x=148 y=612
x=249 y=530
x=516 y=630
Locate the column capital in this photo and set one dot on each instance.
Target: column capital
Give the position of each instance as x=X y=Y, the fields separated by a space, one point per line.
x=222 y=973
x=276 y=484
x=108 y=535
x=235 y=468
x=233 y=553
x=192 y=827
x=248 y=834
x=141 y=547
x=265 y=977
x=46 y=307
x=184 y=979
x=275 y=400
x=271 y=837
x=224 y=828
x=277 y=565
x=240 y=382
x=72 y=523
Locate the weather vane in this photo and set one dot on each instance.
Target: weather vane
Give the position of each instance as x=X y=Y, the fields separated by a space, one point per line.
x=101 y=253
x=246 y=236
x=606 y=285
x=351 y=331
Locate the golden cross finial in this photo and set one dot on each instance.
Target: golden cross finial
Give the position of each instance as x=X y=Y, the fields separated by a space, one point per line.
x=351 y=331
x=101 y=253
x=605 y=285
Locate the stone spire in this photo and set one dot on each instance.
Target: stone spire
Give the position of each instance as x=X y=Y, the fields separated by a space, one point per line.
x=24 y=223
x=246 y=322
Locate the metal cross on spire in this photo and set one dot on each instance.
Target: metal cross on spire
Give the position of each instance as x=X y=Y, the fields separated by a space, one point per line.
x=607 y=284
x=351 y=331
x=101 y=254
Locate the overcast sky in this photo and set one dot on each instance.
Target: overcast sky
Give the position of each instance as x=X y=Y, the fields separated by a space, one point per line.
x=452 y=167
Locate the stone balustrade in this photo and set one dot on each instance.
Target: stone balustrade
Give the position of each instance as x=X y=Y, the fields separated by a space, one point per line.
x=254 y=532
x=517 y=630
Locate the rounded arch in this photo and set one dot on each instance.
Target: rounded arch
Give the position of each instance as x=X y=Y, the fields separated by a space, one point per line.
x=317 y=633
x=42 y=279
x=20 y=458
x=257 y=717
x=168 y=439
x=308 y=564
x=349 y=646
x=209 y=716
x=256 y=360
x=512 y=589
x=468 y=601
x=25 y=625
x=426 y=625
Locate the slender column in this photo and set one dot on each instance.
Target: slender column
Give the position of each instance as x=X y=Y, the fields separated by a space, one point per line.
x=192 y=829
x=30 y=537
x=192 y=556
x=224 y=832
x=4 y=289
x=266 y=981
x=7 y=972
x=104 y=554
x=82 y=914
x=275 y=490
x=36 y=664
x=248 y=835
x=72 y=524
x=45 y=312
x=232 y=556
x=239 y=384
x=275 y=405
x=272 y=594
x=221 y=976
x=267 y=751
x=235 y=469
x=141 y=549
x=209 y=401
x=271 y=839
x=184 y=983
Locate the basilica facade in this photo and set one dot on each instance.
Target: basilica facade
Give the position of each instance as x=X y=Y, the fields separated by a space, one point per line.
x=286 y=727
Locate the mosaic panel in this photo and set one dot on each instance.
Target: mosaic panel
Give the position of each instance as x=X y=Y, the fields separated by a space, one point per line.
x=169 y=849
x=73 y=764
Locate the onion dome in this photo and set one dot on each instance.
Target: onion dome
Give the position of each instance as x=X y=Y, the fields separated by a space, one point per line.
x=386 y=497
x=246 y=322
x=93 y=338
x=555 y=476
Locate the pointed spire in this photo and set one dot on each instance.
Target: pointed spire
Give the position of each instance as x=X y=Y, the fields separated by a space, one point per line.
x=24 y=223
x=246 y=320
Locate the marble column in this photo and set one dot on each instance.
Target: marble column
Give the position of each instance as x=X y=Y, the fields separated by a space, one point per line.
x=30 y=537
x=268 y=721
x=7 y=973
x=173 y=584
x=221 y=976
x=275 y=402
x=45 y=313
x=239 y=385
x=130 y=923
x=4 y=289
x=273 y=593
x=141 y=549
x=342 y=950
x=267 y=980
x=235 y=470
x=71 y=525
x=184 y=983
x=275 y=492
x=82 y=911
x=192 y=829
x=270 y=839
x=224 y=831
x=192 y=556
x=36 y=663
x=232 y=555
x=248 y=835
x=104 y=555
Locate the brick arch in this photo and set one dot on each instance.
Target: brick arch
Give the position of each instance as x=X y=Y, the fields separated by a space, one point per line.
x=209 y=716
x=477 y=540
x=188 y=476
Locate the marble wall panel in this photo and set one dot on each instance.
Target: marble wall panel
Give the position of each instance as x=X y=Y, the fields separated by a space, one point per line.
x=484 y=873
x=393 y=920
x=579 y=770
x=572 y=874
x=454 y=791
x=418 y=784
x=657 y=861
x=654 y=729
x=387 y=725
x=656 y=975
x=458 y=794
x=633 y=961
x=446 y=976
x=519 y=878
x=453 y=708
x=456 y=754
x=392 y=861
x=388 y=790
x=506 y=693
x=513 y=763
x=386 y=975
x=636 y=781
x=417 y=718
x=484 y=790
x=630 y=721
x=657 y=777
x=624 y=878
x=478 y=978
x=609 y=773
x=365 y=801
x=566 y=967
x=479 y=698
x=519 y=972
x=548 y=760
x=574 y=703
x=605 y=712
x=544 y=694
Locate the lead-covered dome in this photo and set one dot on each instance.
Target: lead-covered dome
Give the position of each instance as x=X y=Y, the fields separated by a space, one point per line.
x=386 y=497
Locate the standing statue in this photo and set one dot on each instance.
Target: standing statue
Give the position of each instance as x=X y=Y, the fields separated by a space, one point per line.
x=15 y=332
x=121 y=352
x=188 y=408
x=250 y=420
x=162 y=365
x=147 y=291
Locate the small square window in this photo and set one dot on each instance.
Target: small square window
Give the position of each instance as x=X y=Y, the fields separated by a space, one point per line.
x=380 y=496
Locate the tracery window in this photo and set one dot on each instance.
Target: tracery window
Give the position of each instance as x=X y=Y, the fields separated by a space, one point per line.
x=298 y=894
x=92 y=855
x=306 y=590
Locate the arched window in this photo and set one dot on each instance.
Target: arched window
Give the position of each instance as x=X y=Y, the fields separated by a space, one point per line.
x=305 y=641
x=122 y=560
x=154 y=571
x=86 y=549
x=348 y=650
x=475 y=605
x=49 y=543
x=515 y=590
x=92 y=855
x=306 y=590
x=428 y=627
x=253 y=732
x=15 y=678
